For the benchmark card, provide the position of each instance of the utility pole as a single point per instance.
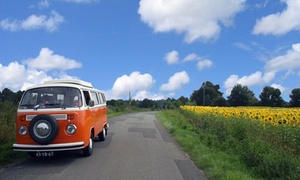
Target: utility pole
(129, 100)
(203, 86)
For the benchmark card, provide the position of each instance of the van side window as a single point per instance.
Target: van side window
(94, 98)
(103, 97)
(86, 97)
(100, 98)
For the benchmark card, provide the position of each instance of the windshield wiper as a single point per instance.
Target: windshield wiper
(26, 106)
(36, 107)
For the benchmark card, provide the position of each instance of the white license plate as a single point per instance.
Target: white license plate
(44, 154)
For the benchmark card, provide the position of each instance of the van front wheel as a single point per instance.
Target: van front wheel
(88, 150)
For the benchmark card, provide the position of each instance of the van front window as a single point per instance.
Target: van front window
(51, 97)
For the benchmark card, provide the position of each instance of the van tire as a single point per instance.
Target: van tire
(88, 150)
(53, 125)
(102, 135)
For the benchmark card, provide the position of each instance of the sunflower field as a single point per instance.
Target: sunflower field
(269, 115)
(266, 139)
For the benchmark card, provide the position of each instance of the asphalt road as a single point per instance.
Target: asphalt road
(137, 147)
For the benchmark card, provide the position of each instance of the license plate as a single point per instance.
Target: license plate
(44, 154)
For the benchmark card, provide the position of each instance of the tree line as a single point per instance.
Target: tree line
(208, 94)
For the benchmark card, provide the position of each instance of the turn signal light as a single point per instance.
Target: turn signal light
(23, 118)
(70, 116)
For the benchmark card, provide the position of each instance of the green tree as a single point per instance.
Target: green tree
(241, 96)
(207, 95)
(146, 103)
(182, 101)
(295, 97)
(271, 96)
(170, 103)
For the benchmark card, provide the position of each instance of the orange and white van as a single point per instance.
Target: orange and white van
(60, 115)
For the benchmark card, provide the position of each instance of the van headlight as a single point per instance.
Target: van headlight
(23, 130)
(71, 129)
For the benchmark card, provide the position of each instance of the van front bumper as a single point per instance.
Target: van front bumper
(49, 147)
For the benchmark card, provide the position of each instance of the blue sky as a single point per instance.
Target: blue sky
(154, 49)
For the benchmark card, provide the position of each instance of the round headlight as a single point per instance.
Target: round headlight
(71, 129)
(23, 130)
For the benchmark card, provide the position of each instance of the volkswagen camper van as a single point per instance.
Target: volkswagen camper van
(60, 115)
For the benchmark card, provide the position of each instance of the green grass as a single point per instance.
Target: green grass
(232, 149)
(8, 156)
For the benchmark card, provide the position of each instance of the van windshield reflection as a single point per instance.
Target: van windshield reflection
(51, 97)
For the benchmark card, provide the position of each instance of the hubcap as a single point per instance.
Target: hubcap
(42, 129)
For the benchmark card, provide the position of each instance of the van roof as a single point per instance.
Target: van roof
(70, 81)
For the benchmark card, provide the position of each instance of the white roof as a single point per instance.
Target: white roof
(70, 81)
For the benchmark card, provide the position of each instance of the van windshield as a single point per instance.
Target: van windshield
(51, 97)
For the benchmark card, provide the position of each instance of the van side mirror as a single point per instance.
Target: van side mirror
(91, 103)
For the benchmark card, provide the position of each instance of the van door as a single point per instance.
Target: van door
(97, 113)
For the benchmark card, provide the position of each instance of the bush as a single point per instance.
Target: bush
(8, 111)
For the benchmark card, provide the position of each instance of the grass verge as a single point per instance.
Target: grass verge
(216, 163)
(8, 156)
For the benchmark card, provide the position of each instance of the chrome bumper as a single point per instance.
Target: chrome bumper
(49, 147)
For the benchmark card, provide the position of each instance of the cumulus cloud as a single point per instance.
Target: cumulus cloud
(47, 60)
(141, 95)
(253, 79)
(192, 57)
(288, 62)
(205, 63)
(175, 82)
(34, 22)
(282, 22)
(197, 19)
(279, 86)
(16, 76)
(133, 83)
(172, 57)
(12, 75)
(201, 62)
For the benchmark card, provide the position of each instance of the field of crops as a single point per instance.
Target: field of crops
(275, 116)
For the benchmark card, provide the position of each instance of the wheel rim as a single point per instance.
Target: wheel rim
(104, 132)
(91, 143)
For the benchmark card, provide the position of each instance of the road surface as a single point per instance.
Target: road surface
(137, 147)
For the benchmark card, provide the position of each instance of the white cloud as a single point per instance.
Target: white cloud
(279, 86)
(192, 57)
(81, 1)
(289, 61)
(254, 79)
(176, 81)
(242, 46)
(172, 57)
(34, 22)
(206, 63)
(12, 76)
(141, 95)
(47, 60)
(132, 83)
(201, 62)
(197, 19)
(16, 76)
(44, 4)
(281, 22)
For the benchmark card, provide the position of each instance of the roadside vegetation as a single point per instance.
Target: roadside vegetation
(234, 147)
